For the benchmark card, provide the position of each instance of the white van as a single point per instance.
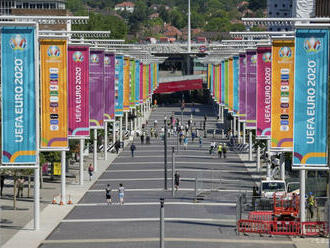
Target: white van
(267, 188)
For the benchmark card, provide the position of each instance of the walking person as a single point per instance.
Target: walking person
(311, 205)
(108, 194)
(2, 183)
(176, 180)
(121, 191)
(117, 146)
(20, 187)
(224, 150)
(133, 148)
(185, 142)
(200, 142)
(219, 151)
(180, 137)
(90, 171)
(142, 137)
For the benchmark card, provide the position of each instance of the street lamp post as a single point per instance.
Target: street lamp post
(165, 153)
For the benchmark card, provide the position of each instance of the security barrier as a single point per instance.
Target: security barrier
(319, 228)
(261, 215)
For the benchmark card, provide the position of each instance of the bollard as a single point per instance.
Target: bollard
(54, 200)
(162, 224)
(173, 170)
(70, 201)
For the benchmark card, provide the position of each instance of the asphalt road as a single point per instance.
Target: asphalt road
(208, 223)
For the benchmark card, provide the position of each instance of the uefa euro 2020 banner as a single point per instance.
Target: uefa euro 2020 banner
(54, 98)
(137, 82)
(119, 84)
(230, 84)
(78, 90)
(282, 95)
(311, 98)
(222, 82)
(251, 89)
(18, 95)
(96, 88)
(235, 81)
(109, 86)
(242, 87)
(264, 91)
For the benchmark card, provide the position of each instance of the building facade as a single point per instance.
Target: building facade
(279, 9)
(7, 7)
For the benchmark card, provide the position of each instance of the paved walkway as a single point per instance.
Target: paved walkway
(208, 223)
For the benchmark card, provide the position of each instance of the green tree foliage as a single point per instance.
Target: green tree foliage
(177, 19)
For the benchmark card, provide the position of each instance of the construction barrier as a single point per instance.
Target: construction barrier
(292, 228)
(261, 215)
(319, 228)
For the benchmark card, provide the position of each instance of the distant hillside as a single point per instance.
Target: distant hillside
(154, 18)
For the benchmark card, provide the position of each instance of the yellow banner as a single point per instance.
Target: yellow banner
(54, 109)
(231, 84)
(282, 95)
(56, 168)
(126, 84)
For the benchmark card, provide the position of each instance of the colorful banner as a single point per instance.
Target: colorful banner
(230, 84)
(222, 82)
(251, 89)
(141, 82)
(212, 80)
(57, 168)
(216, 83)
(219, 83)
(54, 99)
(132, 84)
(109, 86)
(119, 84)
(137, 82)
(242, 87)
(18, 95)
(282, 95)
(209, 70)
(226, 82)
(264, 92)
(310, 136)
(236, 84)
(96, 88)
(126, 84)
(78, 90)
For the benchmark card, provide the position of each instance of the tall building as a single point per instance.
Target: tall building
(279, 9)
(322, 8)
(7, 7)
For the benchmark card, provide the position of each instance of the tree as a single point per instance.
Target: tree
(163, 13)
(197, 20)
(177, 19)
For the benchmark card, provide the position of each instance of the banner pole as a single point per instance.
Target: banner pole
(114, 131)
(250, 145)
(302, 175)
(282, 164)
(105, 140)
(95, 150)
(244, 134)
(81, 162)
(63, 178)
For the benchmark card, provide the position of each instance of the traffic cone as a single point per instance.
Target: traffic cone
(54, 200)
(69, 202)
(61, 202)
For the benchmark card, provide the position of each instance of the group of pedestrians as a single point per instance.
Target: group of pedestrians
(221, 149)
(121, 193)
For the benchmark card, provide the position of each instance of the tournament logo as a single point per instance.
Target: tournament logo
(107, 60)
(78, 57)
(285, 52)
(18, 42)
(312, 45)
(254, 59)
(95, 58)
(267, 57)
(53, 51)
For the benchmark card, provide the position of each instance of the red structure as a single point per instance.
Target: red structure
(175, 86)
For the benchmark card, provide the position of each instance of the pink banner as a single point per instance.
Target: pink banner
(264, 91)
(78, 90)
(141, 83)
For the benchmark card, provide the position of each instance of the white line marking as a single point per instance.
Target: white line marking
(227, 204)
(181, 170)
(182, 162)
(169, 178)
(169, 239)
(181, 189)
(147, 219)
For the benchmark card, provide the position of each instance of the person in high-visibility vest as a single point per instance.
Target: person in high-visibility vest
(219, 151)
(311, 204)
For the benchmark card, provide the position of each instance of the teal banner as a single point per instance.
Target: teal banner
(137, 82)
(119, 85)
(311, 98)
(18, 119)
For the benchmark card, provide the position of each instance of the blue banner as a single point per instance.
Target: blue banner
(222, 82)
(235, 81)
(18, 95)
(119, 85)
(212, 78)
(137, 82)
(151, 69)
(311, 98)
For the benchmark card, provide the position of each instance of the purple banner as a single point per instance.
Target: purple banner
(96, 88)
(109, 86)
(251, 87)
(242, 87)
(78, 90)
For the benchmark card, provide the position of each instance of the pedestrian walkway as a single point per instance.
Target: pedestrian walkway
(208, 221)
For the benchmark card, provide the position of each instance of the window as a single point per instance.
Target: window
(270, 13)
(285, 14)
(52, 6)
(283, 5)
(39, 6)
(18, 6)
(277, 13)
(25, 5)
(46, 5)
(278, 29)
(32, 6)
(275, 5)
